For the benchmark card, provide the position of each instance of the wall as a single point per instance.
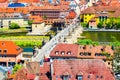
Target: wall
(18, 21)
(87, 17)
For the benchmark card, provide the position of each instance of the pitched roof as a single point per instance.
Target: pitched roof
(81, 51)
(89, 10)
(10, 47)
(45, 71)
(65, 50)
(85, 67)
(71, 15)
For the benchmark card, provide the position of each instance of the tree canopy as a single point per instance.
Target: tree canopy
(14, 26)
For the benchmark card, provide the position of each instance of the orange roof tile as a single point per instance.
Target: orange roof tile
(71, 15)
(6, 45)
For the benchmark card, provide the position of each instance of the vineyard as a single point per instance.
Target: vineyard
(26, 41)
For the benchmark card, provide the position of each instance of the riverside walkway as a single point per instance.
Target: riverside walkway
(67, 35)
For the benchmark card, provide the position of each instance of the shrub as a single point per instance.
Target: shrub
(14, 26)
(30, 22)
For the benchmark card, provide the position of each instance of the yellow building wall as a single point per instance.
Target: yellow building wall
(87, 17)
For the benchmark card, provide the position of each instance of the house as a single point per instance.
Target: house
(10, 53)
(92, 24)
(104, 53)
(74, 51)
(65, 51)
(100, 14)
(32, 70)
(7, 18)
(84, 69)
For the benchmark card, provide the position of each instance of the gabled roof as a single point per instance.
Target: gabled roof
(10, 47)
(65, 50)
(86, 67)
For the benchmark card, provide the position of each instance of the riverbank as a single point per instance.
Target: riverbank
(102, 36)
(104, 30)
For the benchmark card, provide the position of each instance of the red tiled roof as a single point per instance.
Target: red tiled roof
(69, 50)
(11, 47)
(71, 15)
(45, 69)
(74, 50)
(30, 76)
(85, 67)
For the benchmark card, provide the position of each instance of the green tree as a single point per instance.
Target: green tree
(100, 24)
(84, 24)
(118, 25)
(16, 68)
(108, 25)
(44, 17)
(14, 26)
(85, 42)
(116, 61)
(30, 22)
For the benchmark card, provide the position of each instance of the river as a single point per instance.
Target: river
(102, 36)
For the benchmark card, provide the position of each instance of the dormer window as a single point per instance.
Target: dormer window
(80, 47)
(0, 50)
(56, 52)
(63, 52)
(81, 53)
(69, 52)
(66, 77)
(80, 77)
(90, 47)
(5, 51)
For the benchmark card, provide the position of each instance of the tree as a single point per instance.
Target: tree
(30, 22)
(108, 25)
(85, 42)
(44, 17)
(100, 24)
(84, 24)
(118, 25)
(116, 61)
(16, 68)
(14, 26)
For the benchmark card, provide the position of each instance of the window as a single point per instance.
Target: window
(0, 50)
(81, 53)
(89, 54)
(80, 47)
(56, 52)
(69, 52)
(97, 77)
(88, 76)
(5, 51)
(80, 77)
(63, 52)
(108, 63)
(101, 76)
(66, 77)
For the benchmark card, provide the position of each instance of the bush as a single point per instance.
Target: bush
(84, 24)
(100, 25)
(14, 26)
(30, 22)
(87, 42)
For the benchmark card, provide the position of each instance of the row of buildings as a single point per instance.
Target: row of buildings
(101, 12)
(66, 62)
